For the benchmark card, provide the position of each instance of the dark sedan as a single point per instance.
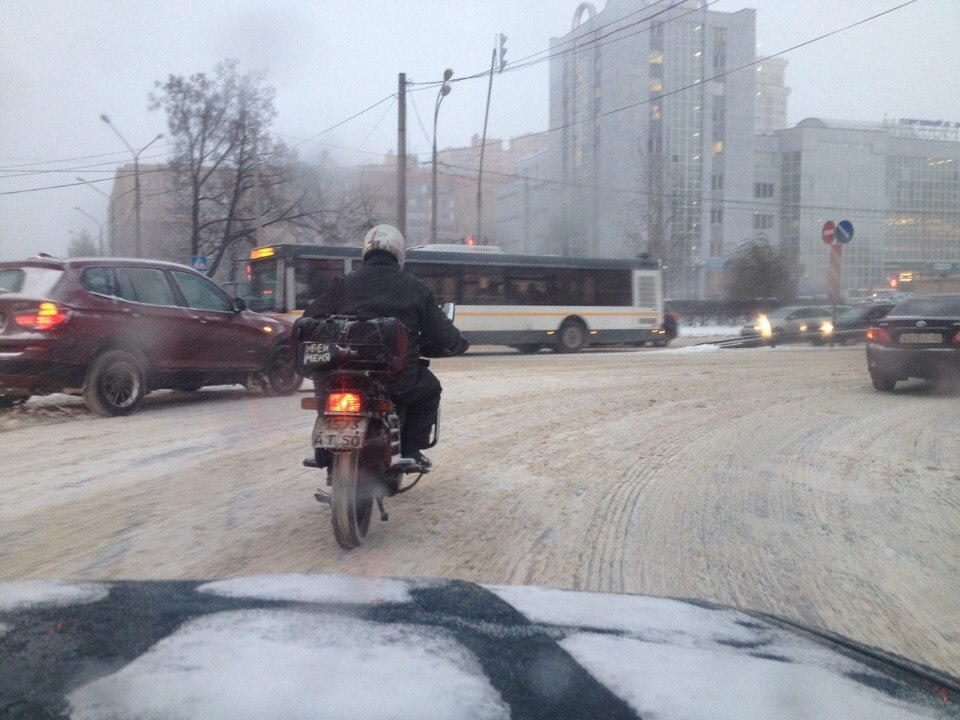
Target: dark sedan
(852, 324)
(918, 339)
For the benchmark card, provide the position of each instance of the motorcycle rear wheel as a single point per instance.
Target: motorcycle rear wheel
(351, 501)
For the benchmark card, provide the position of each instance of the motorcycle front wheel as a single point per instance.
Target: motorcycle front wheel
(351, 500)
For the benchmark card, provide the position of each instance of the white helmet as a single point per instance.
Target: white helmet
(387, 238)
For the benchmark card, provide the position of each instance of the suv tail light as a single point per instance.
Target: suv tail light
(956, 337)
(879, 335)
(46, 317)
(344, 402)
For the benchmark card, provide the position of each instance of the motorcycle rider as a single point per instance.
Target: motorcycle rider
(380, 288)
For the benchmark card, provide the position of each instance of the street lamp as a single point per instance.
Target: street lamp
(445, 89)
(102, 225)
(110, 207)
(136, 173)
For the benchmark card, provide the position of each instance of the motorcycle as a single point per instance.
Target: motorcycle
(356, 436)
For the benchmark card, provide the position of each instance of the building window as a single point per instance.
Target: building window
(716, 216)
(716, 182)
(656, 58)
(656, 86)
(718, 147)
(762, 222)
(763, 190)
(764, 159)
(655, 113)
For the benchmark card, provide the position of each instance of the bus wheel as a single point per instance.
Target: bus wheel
(529, 348)
(572, 337)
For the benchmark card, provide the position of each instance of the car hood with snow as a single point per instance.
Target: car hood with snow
(341, 646)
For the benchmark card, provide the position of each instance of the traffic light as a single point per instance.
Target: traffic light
(502, 45)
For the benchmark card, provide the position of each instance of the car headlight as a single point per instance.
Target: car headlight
(763, 325)
(826, 327)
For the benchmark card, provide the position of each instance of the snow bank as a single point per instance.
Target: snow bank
(22, 594)
(288, 664)
(313, 588)
(709, 330)
(666, 681)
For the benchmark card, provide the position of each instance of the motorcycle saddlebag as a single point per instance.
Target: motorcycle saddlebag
(338, 343)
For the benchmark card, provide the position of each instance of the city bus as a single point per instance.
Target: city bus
(526, 302)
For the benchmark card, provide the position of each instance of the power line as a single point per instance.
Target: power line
(580, 44)
(373, 130)
(73, 159)
(391, 96)
(755, 205)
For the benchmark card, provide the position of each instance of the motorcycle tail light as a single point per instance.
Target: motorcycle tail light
(879, 335)
(344, 402)
(47, 316)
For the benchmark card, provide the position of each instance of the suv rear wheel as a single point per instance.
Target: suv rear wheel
(115, 384)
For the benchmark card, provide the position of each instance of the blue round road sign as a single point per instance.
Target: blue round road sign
(844, 232)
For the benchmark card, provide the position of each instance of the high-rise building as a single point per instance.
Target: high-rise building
(645, 147)
(772, 94)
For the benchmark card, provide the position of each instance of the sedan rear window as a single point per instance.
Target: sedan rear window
(33, 281)
(945, 306)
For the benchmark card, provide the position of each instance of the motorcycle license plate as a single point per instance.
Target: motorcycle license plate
(339, 432)
(317, 353)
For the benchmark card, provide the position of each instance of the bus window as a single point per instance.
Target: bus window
(441, 279)
(570, 288)
(483, 285)
(312, 276)
(530, 286)
(261, 291)
(614, 288)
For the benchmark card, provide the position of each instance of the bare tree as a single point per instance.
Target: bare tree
(649, 216)
(220, 126)
(82, 245)
(759, 270)
(357, 212)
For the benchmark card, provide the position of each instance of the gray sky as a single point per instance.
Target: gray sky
(63, 62)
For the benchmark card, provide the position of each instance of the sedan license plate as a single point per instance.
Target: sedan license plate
(339, 432)
(921, 338)
(317, 353)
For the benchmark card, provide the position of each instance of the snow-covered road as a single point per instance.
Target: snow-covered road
(775, 480)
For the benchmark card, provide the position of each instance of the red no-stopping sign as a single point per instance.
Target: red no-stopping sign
(829, 232)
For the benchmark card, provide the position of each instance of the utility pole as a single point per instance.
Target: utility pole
(441, 94)
(402, 155)
(136, 173)
(110, 208)
(257, 194)
(483, 150)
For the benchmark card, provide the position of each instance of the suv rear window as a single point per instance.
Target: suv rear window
(34, 281)
(945, 306)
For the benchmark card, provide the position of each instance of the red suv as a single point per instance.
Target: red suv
(113, 330)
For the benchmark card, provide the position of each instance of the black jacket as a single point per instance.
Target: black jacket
(382, 289)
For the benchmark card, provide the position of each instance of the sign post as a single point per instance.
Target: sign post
(835, 235)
